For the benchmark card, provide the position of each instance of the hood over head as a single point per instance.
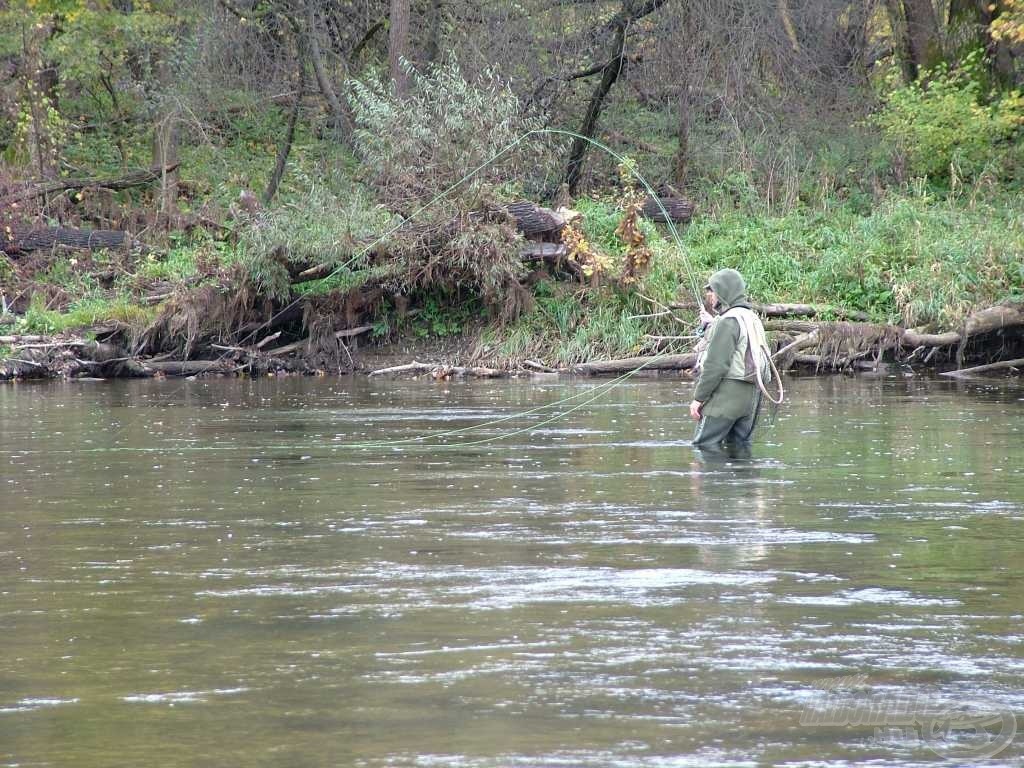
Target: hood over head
(729, 286)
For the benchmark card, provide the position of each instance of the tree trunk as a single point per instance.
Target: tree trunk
(923, 33)
(631, 11)
(609, 74)
(398, 45)
(900, 42)
(854, 30)
(683, 133)
(286, 144)
(970, 28)
(436, 22)
(339, 117)
(166, 138)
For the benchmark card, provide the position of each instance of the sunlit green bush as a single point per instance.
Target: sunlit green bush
(945, 125)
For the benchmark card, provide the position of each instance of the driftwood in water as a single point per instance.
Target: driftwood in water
(820, 362)
(439, 371)
(69, 358)
(627, 364)
(842, 343)
(189, 367)
(1001, 366)
(25, 240)
(533, 365)
(475, 371)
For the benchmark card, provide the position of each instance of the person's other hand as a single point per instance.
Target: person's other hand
(695, 410)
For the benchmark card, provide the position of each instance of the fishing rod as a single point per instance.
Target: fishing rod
(597, 392)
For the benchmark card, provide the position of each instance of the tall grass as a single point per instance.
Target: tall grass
(914, 259)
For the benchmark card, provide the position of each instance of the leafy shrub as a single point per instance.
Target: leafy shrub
(945, 121)
(319, 226)
(421, 144)
(440, 155)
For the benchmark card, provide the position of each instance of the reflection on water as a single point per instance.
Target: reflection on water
(207, 573)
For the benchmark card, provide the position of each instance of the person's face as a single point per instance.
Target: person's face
(710, 297)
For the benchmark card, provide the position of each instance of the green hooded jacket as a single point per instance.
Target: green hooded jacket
(724, 397)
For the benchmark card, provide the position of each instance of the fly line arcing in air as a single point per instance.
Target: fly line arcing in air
(585, 397)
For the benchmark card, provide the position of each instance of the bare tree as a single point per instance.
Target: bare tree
(398, 45)
(630, 12)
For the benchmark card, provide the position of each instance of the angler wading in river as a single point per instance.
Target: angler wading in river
(734, 364)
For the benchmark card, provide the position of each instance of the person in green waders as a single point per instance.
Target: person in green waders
(727, 400)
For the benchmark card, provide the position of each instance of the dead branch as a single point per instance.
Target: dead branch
(413, 367)
(134, 179)
(1004, 365)
(347, 333)
(625, 365)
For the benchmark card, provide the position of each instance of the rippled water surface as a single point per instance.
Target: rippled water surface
(207, 573)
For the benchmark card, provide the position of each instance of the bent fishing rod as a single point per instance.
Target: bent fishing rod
(589, 396)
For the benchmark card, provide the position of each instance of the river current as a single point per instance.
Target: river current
(210, 573)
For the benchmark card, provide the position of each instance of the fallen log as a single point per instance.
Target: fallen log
(189, 367)
(913, 338)
(782, 311)
(313, 273)
(791, 326)
(413, 367)
(439, 371)
(823, 362)
(70, 357)
(534, 220)
(808, 310)
(679, 209)
(1005, 315)
(1004, 365)
(543, 251)
(996, 319)
(802, 341)
(478, 372)
(555, 254)
(627, 364)
(533, 365)
(134, 179)
(24, 241)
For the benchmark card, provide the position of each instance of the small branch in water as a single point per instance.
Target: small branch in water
(413, 367)
(625, 365)
(1004, 365)
(533, 365)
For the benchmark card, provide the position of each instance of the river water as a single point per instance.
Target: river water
(208, 573)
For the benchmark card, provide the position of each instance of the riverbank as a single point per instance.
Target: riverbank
(799, 343)
(910, 279)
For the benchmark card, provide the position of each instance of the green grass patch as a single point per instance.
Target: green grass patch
(82, 314)
(914, 259)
